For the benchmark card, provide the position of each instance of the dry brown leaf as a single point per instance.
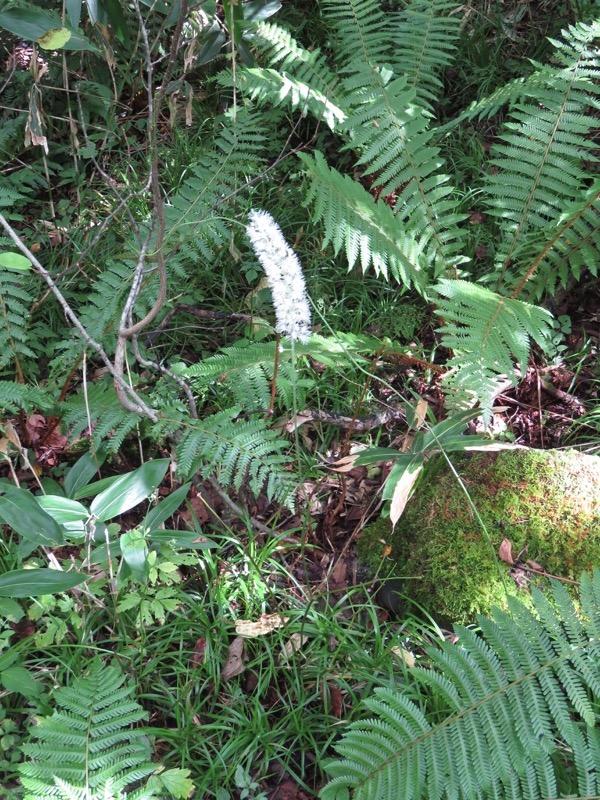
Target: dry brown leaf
(298, 419)
(336, 701)
(199, 651)
(505, 552)
(293, 645)
(534, 565)
(402, 493)
(404, 655)
(235, 659)
(345, 464)
(266, 624)
(12, 435)
(420, 413)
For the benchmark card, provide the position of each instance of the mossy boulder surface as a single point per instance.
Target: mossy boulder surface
(547, 501)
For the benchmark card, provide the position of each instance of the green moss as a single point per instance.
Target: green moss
(545, 501)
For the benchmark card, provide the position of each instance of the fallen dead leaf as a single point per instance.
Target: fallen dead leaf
(297, 420)
(402, 492)
(266, 624)
(505, 552)
(235, 659)
(534, 565)
(293, 645)
(419, 413)
(199, 650)
(404, 655)
(336, 701)
(345, 464)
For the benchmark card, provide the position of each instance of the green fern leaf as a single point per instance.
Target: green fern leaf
(539, 162)
(101, 755)
(486, 332)
(361, 34)
(365, 230)
(424, 37)
(195, 213)
(295, 75)
(237, 450)
(15, 396)
(15, 304)
(392, 136)
(100, 406)
(503, 713)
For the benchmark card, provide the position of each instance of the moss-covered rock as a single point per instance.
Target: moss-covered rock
(545, 501)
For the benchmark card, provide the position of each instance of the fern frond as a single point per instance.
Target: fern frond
(9, 197)
(246, 372)
(277, 87)
(195, 213)
(361, 34)
(424, 37)
(92, 730)
(486, 332)
(543, 145)
(566, 250)
(367, 231)
(111, 423)
(11, 132)
(16, 396)
(15, 304)
(296, 75)
(237, 450)
(514, 700)
(392, 136)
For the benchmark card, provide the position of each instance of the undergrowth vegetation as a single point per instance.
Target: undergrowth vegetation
(250, 252)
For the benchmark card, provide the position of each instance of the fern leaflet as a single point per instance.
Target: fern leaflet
(518, 704)
(91, 729)
(296, 75)
(543, 145)
(15, 302)
(365, 230)
(194, 216)
(424, 36)
(394, 141)
(486, 332)
(237, 450)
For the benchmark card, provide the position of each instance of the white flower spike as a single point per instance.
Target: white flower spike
(284, 275)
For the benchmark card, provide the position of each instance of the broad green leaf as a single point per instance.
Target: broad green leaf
(116, 18)
(187, 539)
(20, 509)
(213, 43)
(129, 490)
(63, 509)
(73, 8)
(15, 262)
(29, 23)
(95, 488)
(79, 42)
(372, 455)
(10, 610)
(167, 507)
(36, 582)
(83, 471)
(257, 10)
(8, 658)
(50, 486)
(54, 39)
(95, 11)
(172, 782)
(134, 549)
(19, 679)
